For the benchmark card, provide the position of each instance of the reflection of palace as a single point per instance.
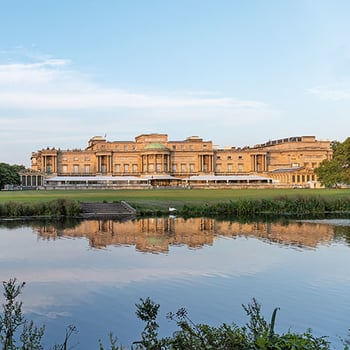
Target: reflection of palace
(157, 234)
(154, 160)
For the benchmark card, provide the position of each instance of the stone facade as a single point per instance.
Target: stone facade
(290, 161)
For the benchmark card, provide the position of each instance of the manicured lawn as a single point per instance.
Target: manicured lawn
(163, 198)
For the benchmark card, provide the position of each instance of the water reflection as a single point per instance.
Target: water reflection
(156, 235)
(91, 273)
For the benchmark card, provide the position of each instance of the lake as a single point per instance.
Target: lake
(91, 273)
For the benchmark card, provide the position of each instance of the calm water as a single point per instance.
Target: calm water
(91, 274)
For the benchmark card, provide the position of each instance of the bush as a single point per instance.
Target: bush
(55, 208)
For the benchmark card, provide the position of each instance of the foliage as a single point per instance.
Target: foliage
(337, 170)
(257, 334)
(56, 208)
(9, 174)
(16, 333)
(147, 311)
(247, 208)
(13, 327)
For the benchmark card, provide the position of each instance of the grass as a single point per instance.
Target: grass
(164, 198)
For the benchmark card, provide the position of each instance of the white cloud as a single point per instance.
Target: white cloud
(49, 84)
(328, 93)
(31, 73)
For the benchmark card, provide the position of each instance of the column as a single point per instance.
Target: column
(264, 161)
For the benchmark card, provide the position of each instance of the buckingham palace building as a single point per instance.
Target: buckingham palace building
(151, 160)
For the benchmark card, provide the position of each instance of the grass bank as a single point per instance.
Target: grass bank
(165, 198)
(244, 203)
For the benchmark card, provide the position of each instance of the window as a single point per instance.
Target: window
(87, 168)
(174, 168)
(174, 147)
(134, 168)
(229, 168)
(75, 159)
(125, 147)
(117, 168)
(126, 168)
(87, 158)
(191, 168)
(240, 168)
(65, 169)
(240, 157)
(76, 168)
(218, 167)
(183, 168)
(229, 157)
(159, 168)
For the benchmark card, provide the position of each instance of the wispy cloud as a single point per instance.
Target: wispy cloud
(32, 74)
(329, 93)
(50, 84)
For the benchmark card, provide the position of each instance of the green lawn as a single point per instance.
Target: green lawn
(163, 198)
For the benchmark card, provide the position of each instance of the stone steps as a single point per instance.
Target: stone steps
(95, 209)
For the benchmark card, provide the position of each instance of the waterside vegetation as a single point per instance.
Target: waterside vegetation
(17, 333)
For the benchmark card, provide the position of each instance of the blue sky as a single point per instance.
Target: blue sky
(234, 72)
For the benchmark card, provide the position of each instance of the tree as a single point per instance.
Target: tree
(337, 170)
(9, 174)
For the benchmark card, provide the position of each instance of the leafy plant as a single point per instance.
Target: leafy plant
(13, 327)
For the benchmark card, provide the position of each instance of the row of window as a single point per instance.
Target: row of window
(133, 147)
(303, 178)
(86, 158)
(126, 168)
